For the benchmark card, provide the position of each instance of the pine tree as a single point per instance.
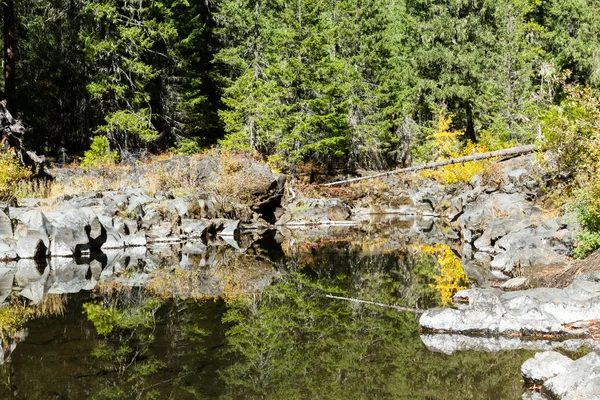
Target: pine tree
(453, 57)
(126, 43)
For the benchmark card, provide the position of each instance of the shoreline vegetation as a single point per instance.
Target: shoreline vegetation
(466, 132)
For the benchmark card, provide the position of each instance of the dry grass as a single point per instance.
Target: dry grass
(51, 305)
(156, 173)
(562, 275)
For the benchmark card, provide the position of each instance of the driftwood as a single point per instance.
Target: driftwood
(11, 139)
(398, 308)
(481, 156)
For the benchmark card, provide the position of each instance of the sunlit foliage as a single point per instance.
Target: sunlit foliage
(450, 276)
(11, 173)
(572, 131)
(446, 143)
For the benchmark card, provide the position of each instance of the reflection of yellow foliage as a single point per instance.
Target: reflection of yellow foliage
(451, 276)
(14, 315)
(13, 318)
(447, 143)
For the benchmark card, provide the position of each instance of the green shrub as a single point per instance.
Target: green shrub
(571, 132)
(99, 154)
(186, 147)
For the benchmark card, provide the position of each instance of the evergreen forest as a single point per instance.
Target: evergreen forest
(339, 83)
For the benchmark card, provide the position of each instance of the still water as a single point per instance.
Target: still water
(249, 323)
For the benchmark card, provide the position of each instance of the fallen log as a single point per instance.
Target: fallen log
(480, 156)
(398, 308)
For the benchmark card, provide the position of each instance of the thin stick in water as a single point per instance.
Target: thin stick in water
(408, 309)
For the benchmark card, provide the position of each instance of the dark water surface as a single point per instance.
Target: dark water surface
(283, 339)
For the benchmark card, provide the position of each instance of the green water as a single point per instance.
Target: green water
(284, 341)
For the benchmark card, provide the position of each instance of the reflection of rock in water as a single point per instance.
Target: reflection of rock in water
(448, 344)
(386, 233)
(193, 270)
(209, 266)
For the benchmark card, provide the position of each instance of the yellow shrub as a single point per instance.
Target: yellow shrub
(451, 276)
(11, 172)
(448, 146)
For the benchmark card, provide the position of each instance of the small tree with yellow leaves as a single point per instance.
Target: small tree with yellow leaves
(447, 145)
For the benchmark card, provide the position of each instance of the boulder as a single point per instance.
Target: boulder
(194, 228)
(68, 232)
(6, 230)
(315, 211)
(527, 312)
(544, 366)
(7, 251)
(232, 228)
(570, 380)
(32, 235)
(112, 239)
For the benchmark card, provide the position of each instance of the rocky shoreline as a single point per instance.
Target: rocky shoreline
(496, 224)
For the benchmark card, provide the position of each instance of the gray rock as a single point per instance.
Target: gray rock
(527, 312)
(6, 230)
(486, 207)
(194, 228)
(232, 228)
(456, 208)
(162, 232)
(514, 283)
(68, 232)
(136, 203)
(581, 380)
(32, 235)
(315, 211)
(7, 277)
(544, 366)
(7, 251)
(112, 239)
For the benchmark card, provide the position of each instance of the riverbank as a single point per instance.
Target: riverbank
(499, 224)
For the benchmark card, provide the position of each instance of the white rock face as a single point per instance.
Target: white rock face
(527, 312)
(544, 366)
(563, 378)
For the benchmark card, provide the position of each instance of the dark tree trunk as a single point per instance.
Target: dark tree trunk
(10, 44)
(470, 131)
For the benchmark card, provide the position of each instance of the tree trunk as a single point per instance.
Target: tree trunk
(10, 44)
(513, 151)
(470, 131)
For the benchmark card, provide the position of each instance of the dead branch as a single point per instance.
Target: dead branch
(398, 308)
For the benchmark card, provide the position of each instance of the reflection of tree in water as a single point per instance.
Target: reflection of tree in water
(294, 343)
(286, 341)
(17, 311)
(125, 321)
(135, 364)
